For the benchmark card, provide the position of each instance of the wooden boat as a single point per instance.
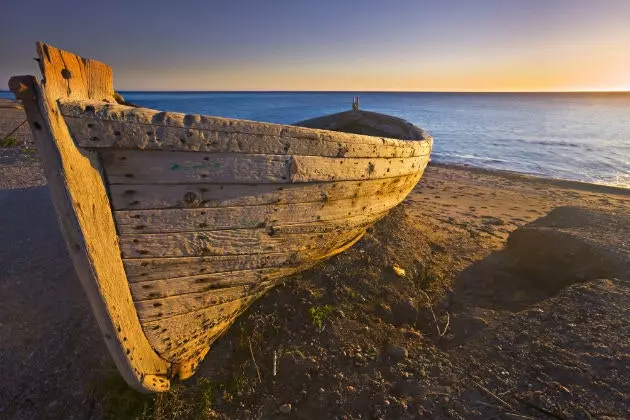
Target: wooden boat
(176, 223)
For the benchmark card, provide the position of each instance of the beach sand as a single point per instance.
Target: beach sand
(514, 303)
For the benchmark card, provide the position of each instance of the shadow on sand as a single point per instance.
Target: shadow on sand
(46, 326)
(567, 246)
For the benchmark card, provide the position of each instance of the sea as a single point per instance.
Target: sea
(572, 136)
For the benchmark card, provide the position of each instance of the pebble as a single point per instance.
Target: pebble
(405, 312)
(397, 352)
(285, 408)
(400, 272)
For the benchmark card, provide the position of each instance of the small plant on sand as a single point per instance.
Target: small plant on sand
(9, 142)
(319, 315)
(120, 401)
(207, 390)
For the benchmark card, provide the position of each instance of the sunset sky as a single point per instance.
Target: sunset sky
(361, 45)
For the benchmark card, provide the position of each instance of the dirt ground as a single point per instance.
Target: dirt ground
(514, 304)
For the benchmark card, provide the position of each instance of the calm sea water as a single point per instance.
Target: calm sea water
(575, 136)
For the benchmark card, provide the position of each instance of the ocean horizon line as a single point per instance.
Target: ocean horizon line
(605, 92)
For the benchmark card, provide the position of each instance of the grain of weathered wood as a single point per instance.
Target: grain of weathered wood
(98, 133)
(189, 269)
(269, 216)
(85, 218)
(147, 196)
(134, 166)
(187, 368)
(147, 269)
(160, 167)
(166, 286)
(181, 338)
(143, 269)
(161, 308)
(142, 116)
(227, 242)
(67, 75)
(316, 168)
(175, 337)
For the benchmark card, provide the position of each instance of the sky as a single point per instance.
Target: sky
(361, 45)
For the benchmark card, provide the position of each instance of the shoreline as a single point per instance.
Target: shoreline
(525, 177)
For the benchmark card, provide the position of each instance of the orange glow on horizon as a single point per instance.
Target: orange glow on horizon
(555, 70)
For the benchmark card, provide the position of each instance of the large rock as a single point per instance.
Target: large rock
(396, 352)
(572, 244)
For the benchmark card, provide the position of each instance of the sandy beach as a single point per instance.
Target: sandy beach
(514, 304)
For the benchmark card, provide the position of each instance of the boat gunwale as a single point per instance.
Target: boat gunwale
(297, 133)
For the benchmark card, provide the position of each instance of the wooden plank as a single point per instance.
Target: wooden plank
(162, 308)
(177, 275)
(177, 337)
(227, 242)
(143, 269)
(158, 167)
(134, 166)
(316, 168)
(96, 133)
(183, 338)
(142, 116)
(248, 217)
(369, 123)
(166, 287)
(187, 367)
(67, 75)
(84, 215)
(148, 196)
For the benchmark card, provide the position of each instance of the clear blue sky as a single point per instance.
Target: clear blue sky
(470, 45)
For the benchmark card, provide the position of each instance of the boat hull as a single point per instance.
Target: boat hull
(177, 222)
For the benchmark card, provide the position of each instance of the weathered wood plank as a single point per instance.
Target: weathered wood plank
(227, 242)
(179, 274)
(133, 166)
(68, 76)
(158, 167)
(144, 269)
(166, 287)
(84, 215)
(177, 337)
(269, 216)
(184, 338)
(161, 308)
(98, 133)
(316, 168)
(95, 110)
(148, 196)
